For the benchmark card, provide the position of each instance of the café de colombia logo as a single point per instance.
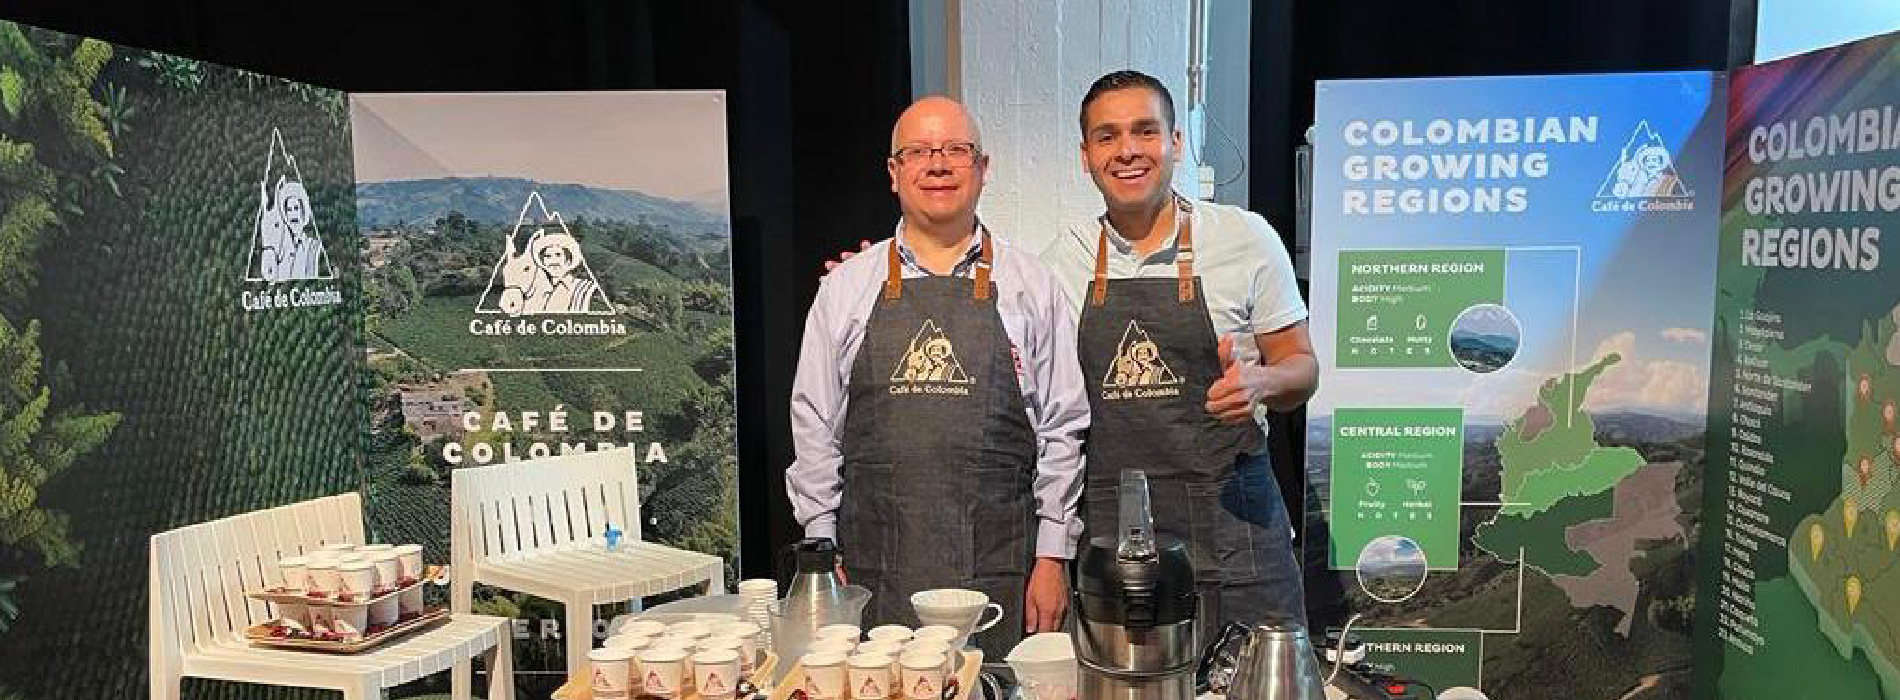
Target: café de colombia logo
(1644, 177)
(542, 282)
(286, 245)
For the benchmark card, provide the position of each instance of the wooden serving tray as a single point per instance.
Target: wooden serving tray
(429, 573)
(970, 665)
(579, 689)
(261, 635)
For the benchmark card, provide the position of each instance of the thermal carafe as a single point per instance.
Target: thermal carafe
(1135, 606)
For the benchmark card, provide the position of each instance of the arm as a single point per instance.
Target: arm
(1062, 420)
(812, 482)
(1284, 373)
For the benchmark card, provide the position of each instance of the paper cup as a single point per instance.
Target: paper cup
(351, 620)
(733, 644)
(748, 634)
(320, 579)
(716, 673)
(939, 633)
(355, 580)
(923, 675)
(645, 628)
(884, 648)
(385, 612)
(409, 604)
(897, 633)
(841, 647)
(409, 558)
(689, 630)
(825, 676)
(662, 672)
(373, 548)
(291, 571)
(388, 571)
(630, 642)
(870, 676)
(840, 631)
(294, 611)
(338, 547)
(612, 674)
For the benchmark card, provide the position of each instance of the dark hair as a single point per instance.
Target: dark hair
(1123, 80)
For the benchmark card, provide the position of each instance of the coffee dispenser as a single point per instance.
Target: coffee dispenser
(1135, 606)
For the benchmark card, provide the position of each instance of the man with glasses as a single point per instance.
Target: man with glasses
(938, 409)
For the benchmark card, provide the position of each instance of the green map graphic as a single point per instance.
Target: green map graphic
(1575, 509)
(1844, 558)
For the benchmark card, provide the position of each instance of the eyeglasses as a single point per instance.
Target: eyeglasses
(956, 154)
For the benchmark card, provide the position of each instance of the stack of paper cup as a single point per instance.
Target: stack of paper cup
(756, 596)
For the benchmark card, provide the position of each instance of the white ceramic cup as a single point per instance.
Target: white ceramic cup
(923, 675)
(841, 647)
(663, 671)
(840, 631)
(291, 569)
(870, 676)
(355, 579)
(613, 673)
(645, 628)
(958, 608)
(896, 633)
(320, 578)
(824, 676)
(716, 673)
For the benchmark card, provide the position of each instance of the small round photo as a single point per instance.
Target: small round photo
(1484, 338)
(1391, 568)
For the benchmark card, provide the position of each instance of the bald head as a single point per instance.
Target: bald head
(935, 119)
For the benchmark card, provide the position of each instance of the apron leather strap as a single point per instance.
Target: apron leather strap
(894, 279)
(983, 262)
(1183, 258)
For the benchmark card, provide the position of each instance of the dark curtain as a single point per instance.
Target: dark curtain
(813, 89)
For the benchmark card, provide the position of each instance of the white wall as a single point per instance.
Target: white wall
(1022, 68)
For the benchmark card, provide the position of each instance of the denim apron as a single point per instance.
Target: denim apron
(939, 453)
(1149, 354)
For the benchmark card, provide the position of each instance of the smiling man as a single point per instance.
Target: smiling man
(938, 409)
(1203, 297)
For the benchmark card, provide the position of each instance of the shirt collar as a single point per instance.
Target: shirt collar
(1164, 253)
(961, 269)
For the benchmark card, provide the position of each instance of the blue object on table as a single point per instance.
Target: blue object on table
(612, 534)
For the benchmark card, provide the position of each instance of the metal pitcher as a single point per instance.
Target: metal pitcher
(1276, 663)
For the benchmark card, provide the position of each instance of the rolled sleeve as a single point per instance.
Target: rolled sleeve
(813, 482)
(1274, 291)
(1062, 419)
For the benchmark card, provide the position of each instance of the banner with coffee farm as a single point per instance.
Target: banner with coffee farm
(545, 274)
(180, 339)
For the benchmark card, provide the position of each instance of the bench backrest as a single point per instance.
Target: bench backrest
(519, 507)
(199, 573)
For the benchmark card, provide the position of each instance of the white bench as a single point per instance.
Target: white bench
(535, 527)
(199, 574)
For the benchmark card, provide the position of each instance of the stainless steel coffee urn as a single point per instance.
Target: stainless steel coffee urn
(1135, 606)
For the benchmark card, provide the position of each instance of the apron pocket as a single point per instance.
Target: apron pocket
(867, 516)
(997, 527)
